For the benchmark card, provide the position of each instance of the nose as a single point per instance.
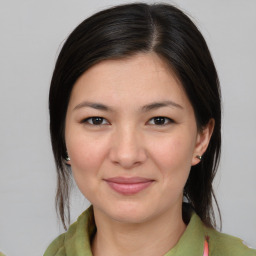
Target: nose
(128, 149)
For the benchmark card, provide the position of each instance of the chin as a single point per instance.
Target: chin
(130, 217)
(129, 212)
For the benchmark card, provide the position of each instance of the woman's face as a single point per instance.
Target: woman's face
(131, 136)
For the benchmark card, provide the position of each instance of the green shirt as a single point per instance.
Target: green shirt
(76, 241)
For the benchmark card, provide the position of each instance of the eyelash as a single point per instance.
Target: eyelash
(91, 120)
(161, 118)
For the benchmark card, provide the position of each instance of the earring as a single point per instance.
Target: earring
(199, 157)
(67, 158)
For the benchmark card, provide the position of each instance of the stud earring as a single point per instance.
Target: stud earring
(199, 157)
(67, 158)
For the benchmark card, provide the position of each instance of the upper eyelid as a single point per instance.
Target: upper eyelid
(168, 118)
(88, 118)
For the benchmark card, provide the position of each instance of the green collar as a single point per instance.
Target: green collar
(78, 239)
(192, 241)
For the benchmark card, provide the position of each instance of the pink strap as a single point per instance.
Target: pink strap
(206, 248)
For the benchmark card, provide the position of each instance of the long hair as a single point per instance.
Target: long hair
(124, 31)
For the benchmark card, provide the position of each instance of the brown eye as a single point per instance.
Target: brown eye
(96, 120)
(160, 120)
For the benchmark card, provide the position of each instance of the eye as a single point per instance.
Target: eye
(160, 120)
(95, 120)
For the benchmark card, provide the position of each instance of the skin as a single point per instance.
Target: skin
(130, 143)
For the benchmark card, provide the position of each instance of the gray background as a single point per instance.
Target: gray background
(31, 35)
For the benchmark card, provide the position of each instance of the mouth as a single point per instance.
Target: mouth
(128, 186)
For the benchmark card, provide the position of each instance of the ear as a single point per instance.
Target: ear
(202, 141)
(68, 162)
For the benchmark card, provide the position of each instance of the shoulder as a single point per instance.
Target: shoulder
(77, 234)
(56, 248)
(226, 245)
(58, 245)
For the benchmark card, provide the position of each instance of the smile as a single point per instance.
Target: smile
(128, 186)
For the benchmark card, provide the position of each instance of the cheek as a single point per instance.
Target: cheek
(173, 150)
(87, 154)
(173, 157)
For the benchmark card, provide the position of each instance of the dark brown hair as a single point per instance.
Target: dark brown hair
(124, 31)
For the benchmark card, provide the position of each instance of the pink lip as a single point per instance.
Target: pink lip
(128, 186)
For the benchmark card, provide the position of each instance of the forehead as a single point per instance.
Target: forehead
(133, 80)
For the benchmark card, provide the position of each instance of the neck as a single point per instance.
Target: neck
(154, 237)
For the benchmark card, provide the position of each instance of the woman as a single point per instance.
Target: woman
(135, 116)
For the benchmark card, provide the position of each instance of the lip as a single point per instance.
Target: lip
(128, 185)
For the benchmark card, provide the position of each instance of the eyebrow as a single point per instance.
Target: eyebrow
(146, 108)
(94, 105)
(156, 105)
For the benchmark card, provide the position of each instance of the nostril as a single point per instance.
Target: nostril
(127, 159)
